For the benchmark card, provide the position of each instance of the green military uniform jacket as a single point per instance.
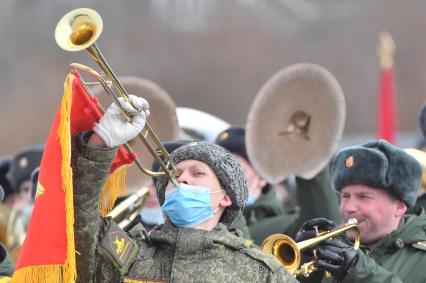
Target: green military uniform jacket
(399, 257)
(316, 198)
(240, 227)
(6, 265)
(421, 201)
(165, 254)
(267, 205)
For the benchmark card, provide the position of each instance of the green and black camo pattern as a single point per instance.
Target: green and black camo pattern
(170, 253)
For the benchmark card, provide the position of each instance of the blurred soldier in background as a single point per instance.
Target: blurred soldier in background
(377, 182)
(21, 167)
(264, 213)
(262, 201)
(194, 244)
(421, 200)
(5, 176)
(17, 207)
(6, 265)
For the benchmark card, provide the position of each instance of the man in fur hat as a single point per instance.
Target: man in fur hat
(377, 182)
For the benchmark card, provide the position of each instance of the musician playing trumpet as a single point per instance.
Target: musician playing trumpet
(378, 184)
(194, 244)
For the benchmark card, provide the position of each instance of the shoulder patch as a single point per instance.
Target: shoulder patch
(267, 259)
(420, 245)
(119, 246)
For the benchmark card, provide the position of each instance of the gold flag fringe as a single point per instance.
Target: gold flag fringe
(40, 274)
(114, 187)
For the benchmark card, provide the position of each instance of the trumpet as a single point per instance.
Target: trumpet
(288, 252)
(127, 210)
(78, 30)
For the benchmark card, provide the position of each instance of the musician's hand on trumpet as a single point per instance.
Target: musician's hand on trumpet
(312, 227)
(333, 255)
(114, 129)
(337, 257)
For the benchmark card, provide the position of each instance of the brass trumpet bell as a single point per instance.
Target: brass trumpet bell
(78, 29)
(289, 253)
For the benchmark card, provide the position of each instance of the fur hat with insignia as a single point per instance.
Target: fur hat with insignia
(23, 164)
(378, 164)
(226, 167)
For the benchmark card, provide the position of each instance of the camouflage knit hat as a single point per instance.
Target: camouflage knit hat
(226, 167)
(378, 164)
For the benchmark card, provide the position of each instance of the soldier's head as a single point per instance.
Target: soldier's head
(5, 176)
(21, 168)
(377, 182)
(212, 187)
(233, 139)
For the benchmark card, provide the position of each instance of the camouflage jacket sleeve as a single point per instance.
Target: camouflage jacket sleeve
(316, 198)
(90, 170)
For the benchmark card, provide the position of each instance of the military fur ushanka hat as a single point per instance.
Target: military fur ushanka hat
(226, 167)
(378, 164)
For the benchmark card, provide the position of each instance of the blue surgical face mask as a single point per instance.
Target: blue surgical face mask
(251, 199)
(152, 215)
(188, 206)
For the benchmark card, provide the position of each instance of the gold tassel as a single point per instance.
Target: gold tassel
(64, 133)
(51, 273)
(114, 187)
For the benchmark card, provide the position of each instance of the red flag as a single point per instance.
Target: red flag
(48, 254)
(387, 103)
(386, 100)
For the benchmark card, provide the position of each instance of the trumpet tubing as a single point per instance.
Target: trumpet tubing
(78, 30)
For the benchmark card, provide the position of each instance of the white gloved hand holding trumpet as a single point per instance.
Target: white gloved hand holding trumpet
(114, 129)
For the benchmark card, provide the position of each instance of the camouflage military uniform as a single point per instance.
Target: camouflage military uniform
(240, 224)
(267, 205)
(316, 198)
(167, 253)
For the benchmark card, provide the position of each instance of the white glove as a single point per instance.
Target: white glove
(113, 127)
